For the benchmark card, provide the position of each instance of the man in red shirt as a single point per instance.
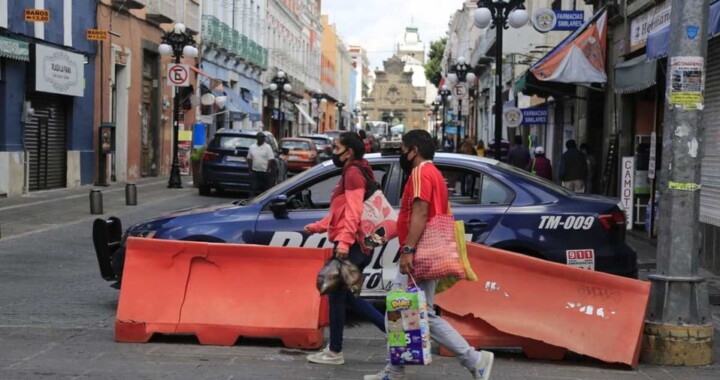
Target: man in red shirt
(425, 196)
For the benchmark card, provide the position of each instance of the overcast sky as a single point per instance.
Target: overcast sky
(377, 25)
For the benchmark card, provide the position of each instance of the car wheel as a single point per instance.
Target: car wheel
(204, 190)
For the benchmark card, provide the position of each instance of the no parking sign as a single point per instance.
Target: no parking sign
(178, 75)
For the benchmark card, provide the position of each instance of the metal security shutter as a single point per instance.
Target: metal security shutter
(710, 172)
(45, 141)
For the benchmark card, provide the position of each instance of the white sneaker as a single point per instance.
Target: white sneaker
(385, 375)
(484, 365)
(326, 357)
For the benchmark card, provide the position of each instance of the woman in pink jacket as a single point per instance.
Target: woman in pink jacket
(342, 225)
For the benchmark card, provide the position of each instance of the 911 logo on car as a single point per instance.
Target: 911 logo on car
(553, 222)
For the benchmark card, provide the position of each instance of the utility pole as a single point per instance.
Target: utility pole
(678, 329)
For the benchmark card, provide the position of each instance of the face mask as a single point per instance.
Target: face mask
(336, 159)
(405, 163)
(260, 142)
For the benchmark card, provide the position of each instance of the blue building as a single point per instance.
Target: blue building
(46, 95)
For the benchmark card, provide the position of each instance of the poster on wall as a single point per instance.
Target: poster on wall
(59, 71)
(627, 186)
(687, 75)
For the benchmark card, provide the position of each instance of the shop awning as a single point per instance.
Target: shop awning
(580, 58)
(658, 42)
(635, 75)
(246, 108)
(236, 114)
(305, 115)
(14, 49)
(529, 85)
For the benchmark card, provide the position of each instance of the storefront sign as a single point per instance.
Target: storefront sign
(685, 89)
(535, 116)
(627, 180)
(513, 117)
(569, 20)
(96, 34)
(641, 26)
(59, 71)
(37, 15)
(653, 150)
(14, 49)
(544, 20)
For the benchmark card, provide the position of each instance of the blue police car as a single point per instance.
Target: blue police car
(501, 206)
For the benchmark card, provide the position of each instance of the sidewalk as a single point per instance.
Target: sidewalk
(646, 249)
(43, 210)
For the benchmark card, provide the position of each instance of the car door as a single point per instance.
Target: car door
(476, 198)
(308, 202)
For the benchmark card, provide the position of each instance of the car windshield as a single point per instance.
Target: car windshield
(320, 141)
(294, 145)
(232, 142)
(533, 178)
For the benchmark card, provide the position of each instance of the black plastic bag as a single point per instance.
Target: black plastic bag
(338, 274)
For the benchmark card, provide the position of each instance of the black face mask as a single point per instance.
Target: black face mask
(405, 163)
(260, 142)
(336, 159)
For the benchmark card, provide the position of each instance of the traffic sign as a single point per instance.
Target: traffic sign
(96, 34)
(178, 75)
(460, 90)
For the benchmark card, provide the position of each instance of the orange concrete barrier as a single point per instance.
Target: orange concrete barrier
(481, 334)
(221, 292)
(591, 313)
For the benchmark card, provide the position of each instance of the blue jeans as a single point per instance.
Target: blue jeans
(343, 298)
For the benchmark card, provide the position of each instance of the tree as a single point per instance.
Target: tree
(433, 67)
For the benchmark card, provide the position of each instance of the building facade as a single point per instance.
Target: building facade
(47, 86)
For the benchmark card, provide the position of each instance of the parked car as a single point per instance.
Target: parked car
(334, 135)
(325, 145)
(224, 163)
(501, 206)
(299, 153)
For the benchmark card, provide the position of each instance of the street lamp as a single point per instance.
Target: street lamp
(444, 96)
(435, 108)
(461, 72)
(280, 83)
(340, 106)
(177, 43)
(318, 98)
(500, 13)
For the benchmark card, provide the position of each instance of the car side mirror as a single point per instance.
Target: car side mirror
(278, 206)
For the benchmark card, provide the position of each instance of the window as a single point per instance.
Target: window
(316, 194)
(294, 145)
(469, 187)
(232, 142)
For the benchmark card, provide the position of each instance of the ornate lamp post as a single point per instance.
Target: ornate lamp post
(435, 108)
(461, 72)
(500, 13)
(280, 83)
(318, 98)
(340, 106)
(177, 43)
(444, 96)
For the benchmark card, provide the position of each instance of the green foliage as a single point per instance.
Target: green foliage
(433, 67)
(198, 154)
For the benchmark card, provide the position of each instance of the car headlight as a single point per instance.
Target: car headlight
(147, 234)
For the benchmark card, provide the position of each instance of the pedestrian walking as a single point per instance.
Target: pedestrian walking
(519, 156)
(480, 148)
(448, 144)
(342, 224)
(591, 166)
(260, 160)
(573, 168)
(425, 192)
(540, 165)
(366, 141)
(504, 149)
